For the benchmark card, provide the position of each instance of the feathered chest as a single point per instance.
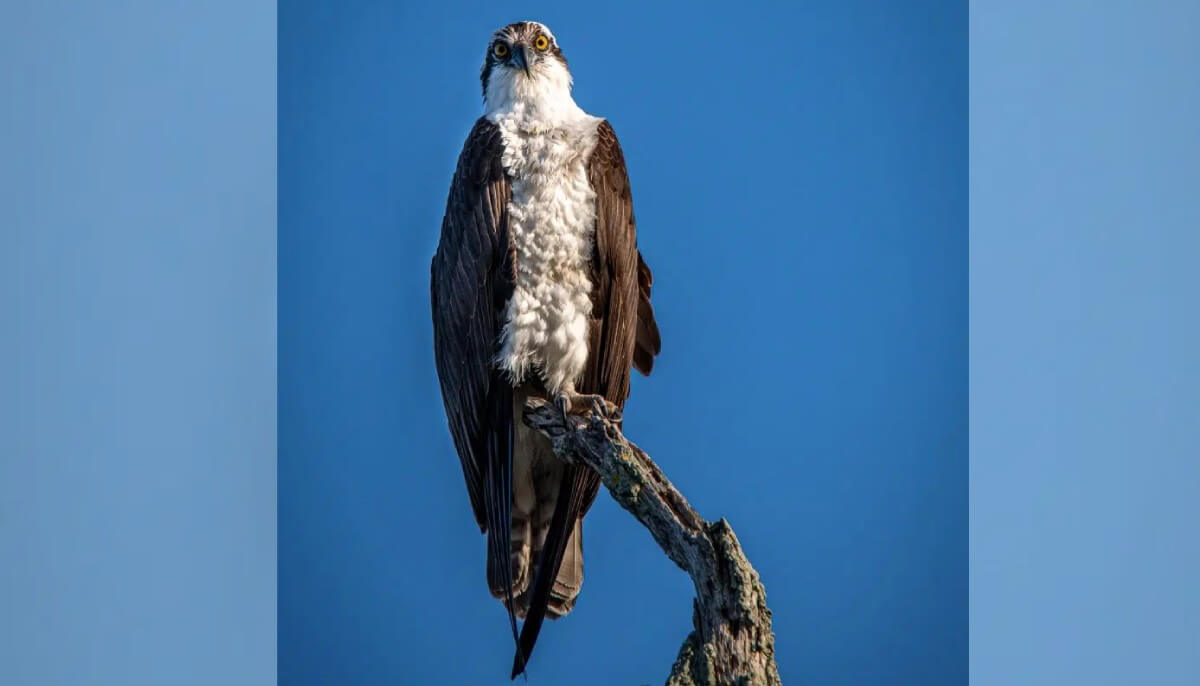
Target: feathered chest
(552, 218)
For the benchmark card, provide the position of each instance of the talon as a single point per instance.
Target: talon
(577, 404)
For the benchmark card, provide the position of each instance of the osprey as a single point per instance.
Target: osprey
(538, 289)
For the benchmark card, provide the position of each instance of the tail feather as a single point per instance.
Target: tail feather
(566, 585)
(519, 563)
(570, 575)
(575, 486)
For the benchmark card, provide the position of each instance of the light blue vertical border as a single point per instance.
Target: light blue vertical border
(1085, 343)
(137, 343)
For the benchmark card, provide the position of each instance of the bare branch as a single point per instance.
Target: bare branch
(732, 643)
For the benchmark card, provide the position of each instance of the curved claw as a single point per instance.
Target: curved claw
(599, 406)
(573, 404)
(563, 403)
(615, 415)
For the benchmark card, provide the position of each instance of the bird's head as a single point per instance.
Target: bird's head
(524, 64)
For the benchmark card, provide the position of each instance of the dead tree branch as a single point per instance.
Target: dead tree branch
(732, 643)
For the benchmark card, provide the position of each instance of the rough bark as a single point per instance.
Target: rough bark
(732, 642)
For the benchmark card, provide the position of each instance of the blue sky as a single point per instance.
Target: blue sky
(138, 232)
(800, 183)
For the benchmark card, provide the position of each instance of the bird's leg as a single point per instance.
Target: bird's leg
(570, 402)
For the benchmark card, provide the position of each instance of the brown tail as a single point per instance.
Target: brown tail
(566, 585)
(570, 575)
(576, 484)
(518, 559)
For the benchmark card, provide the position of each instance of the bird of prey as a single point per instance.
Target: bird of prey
(538, 289)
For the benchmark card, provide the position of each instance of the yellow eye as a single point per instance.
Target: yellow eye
(500, 50)
(541, 43)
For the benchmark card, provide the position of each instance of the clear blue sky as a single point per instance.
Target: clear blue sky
(800, 181)
(1085, 377)
(137, 283)
(137, 343)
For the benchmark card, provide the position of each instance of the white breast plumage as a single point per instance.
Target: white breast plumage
(552, 217)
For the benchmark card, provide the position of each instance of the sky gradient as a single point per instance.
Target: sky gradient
(799, 179)
(137, 354)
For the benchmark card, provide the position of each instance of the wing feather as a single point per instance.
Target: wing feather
(648, 343)
(471, 280)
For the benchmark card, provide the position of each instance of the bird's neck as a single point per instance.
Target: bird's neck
(543, 101)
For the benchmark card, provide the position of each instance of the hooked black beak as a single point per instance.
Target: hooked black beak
(519, 60)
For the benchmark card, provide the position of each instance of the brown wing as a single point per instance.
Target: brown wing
(647, 343)
(472, 278)
(620, 285)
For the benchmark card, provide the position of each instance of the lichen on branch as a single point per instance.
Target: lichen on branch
(732, 642)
